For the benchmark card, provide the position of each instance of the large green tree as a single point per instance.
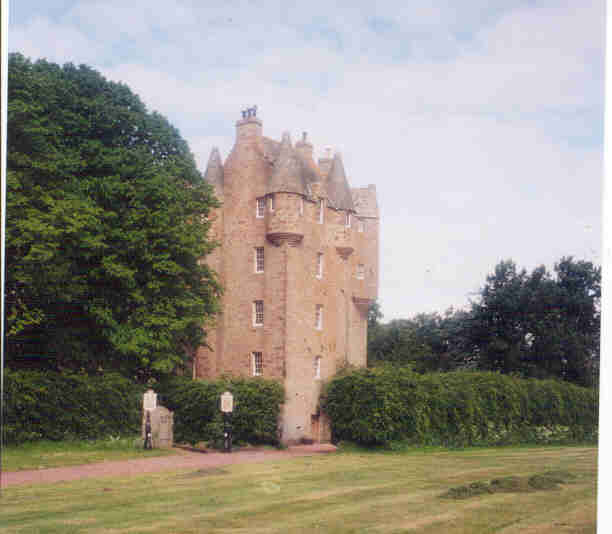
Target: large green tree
(540, 324)
(106, 227)
(536, 324)
(427, 342)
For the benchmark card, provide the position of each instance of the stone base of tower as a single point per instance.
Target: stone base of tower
(299, 425)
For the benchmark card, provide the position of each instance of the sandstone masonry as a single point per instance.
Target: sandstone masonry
(299, 265)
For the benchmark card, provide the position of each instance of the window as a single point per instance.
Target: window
(361, 271)
(261, 207)
(301, 205)
(347, 220)
(319, 317)
(320, 265)
(259, 259)
(321, 209)
(271, 197)
(317, 367)
(257, 362)
(258, 313)
(360, 225)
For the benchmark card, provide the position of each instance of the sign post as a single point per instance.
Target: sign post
(227, 407)
(149, 403)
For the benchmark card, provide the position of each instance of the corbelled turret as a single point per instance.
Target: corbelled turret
(214, 170)
(338, 191)
(286, 176)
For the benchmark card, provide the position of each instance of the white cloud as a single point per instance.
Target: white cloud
(466, 117)
(42, 38)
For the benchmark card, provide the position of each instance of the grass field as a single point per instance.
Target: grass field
(346, 492)
(43, 454)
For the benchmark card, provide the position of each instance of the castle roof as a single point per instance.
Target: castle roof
(287, 175)
(310, 171)
(271, 148)
(338, 192)
(293, 171)
(364, 200)
(214, 169)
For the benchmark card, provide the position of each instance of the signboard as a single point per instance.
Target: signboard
(149, 400)
(227, 402)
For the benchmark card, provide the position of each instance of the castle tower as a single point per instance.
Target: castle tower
(299, 265)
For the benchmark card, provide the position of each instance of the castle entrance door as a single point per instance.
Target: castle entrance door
(315, 428)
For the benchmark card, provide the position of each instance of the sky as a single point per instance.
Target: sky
(480, 122)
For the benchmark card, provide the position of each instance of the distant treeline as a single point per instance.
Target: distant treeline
(534, 324)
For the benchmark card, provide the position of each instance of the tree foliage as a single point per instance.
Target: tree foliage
(427, 342)
(540, 324)
(106, 226)
(537, 324)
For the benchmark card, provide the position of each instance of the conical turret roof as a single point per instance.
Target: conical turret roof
(214, 169)
(287, 175)
(338, 191)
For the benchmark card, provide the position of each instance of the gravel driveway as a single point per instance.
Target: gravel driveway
(182, 460)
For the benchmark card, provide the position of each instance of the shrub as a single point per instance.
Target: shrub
(50, 405)
(386, 404)
(197, 416)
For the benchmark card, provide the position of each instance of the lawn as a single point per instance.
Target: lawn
(43, 454)
(346, 492)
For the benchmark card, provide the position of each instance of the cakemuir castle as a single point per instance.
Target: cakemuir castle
(298, 262)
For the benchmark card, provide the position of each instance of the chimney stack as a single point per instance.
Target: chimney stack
(248, 129)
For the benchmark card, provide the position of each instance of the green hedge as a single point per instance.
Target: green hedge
(197, 417)
(382, 405)
(49, 405)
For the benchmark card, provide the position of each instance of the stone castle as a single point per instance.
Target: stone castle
(298, 262)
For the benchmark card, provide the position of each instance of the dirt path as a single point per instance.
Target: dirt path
(183, 460)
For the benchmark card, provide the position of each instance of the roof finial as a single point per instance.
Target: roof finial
(249, 112)
(304, 136)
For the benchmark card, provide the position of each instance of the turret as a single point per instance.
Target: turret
(338, 190)
(325, 162)
(286, 187)
(214, 171)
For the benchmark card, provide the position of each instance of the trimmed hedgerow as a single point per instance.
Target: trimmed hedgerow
(57, 406)
(49, 405)
(197, 417)
(381, 405)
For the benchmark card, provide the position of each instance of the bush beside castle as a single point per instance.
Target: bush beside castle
(382, 405)
(368, 406)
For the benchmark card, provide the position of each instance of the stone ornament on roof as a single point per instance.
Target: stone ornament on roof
(249, 112)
